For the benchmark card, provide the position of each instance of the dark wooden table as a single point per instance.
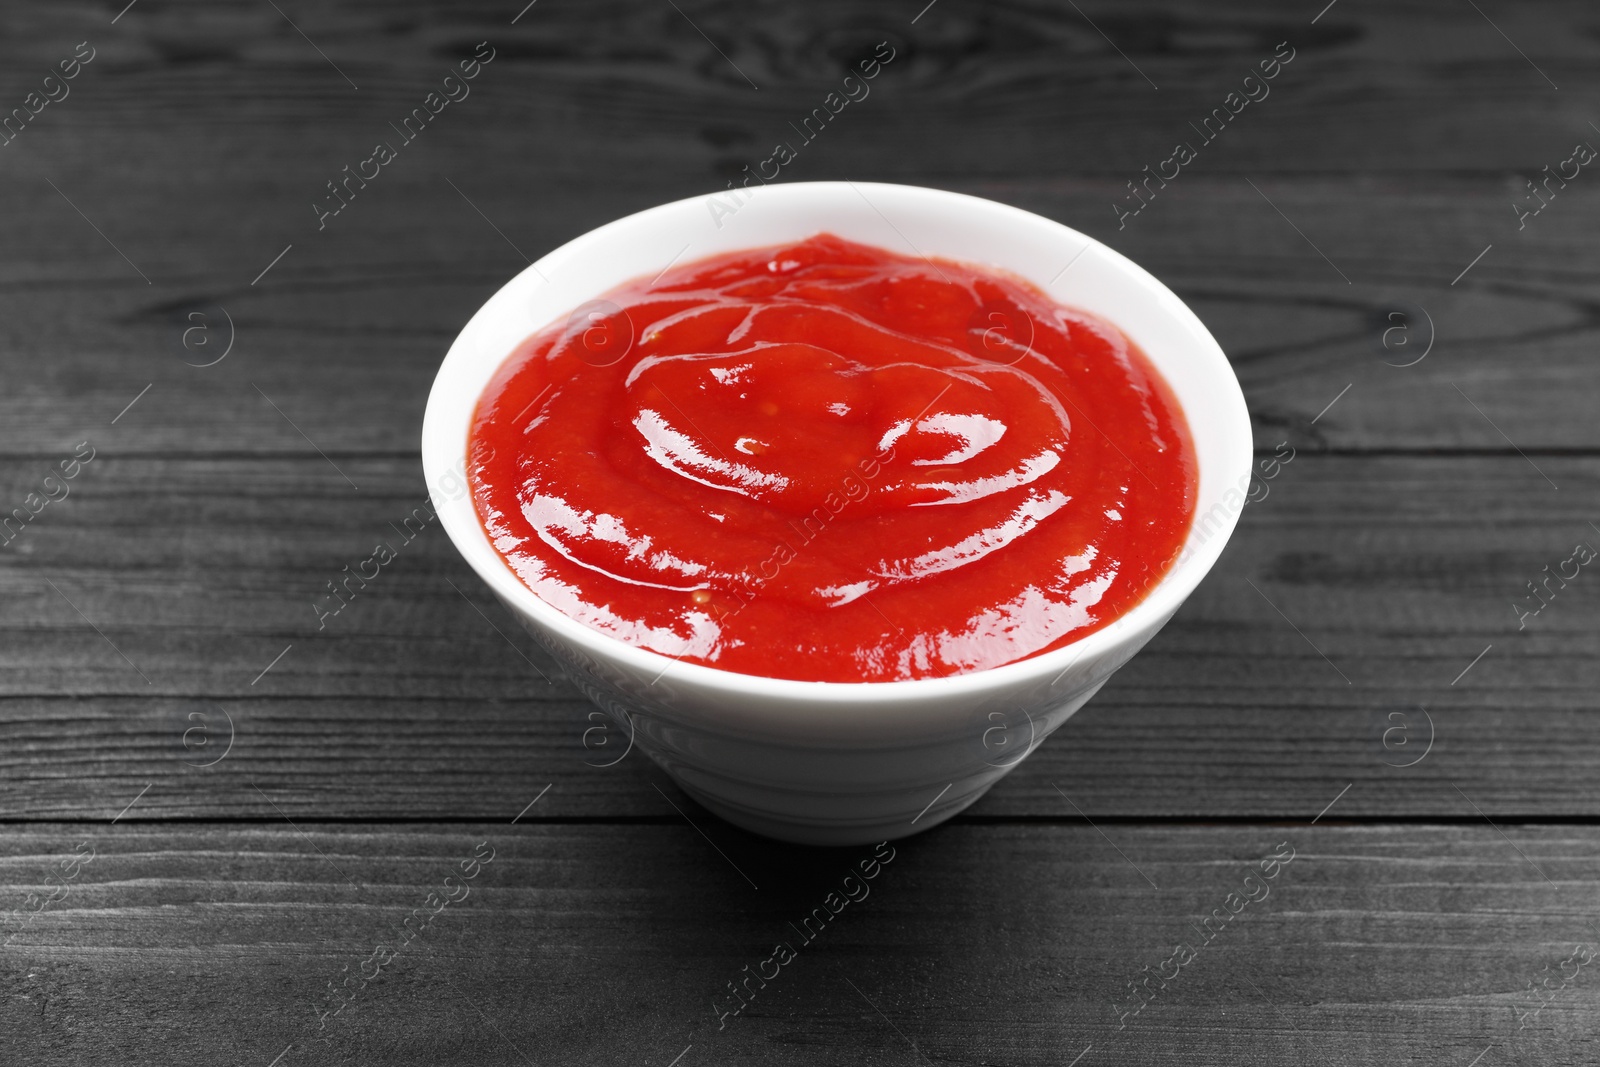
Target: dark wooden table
(214, 812)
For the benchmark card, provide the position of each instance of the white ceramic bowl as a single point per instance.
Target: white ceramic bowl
(824, 762)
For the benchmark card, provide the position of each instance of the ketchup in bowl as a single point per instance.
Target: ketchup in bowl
(829, 462)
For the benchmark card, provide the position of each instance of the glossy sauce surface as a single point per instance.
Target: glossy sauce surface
(829, 462)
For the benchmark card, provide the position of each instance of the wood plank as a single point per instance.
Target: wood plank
(632, 85)
(337, 348)
(1397, 572)
(607, 944)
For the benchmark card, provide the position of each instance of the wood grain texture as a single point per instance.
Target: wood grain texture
(607, 944)
(422, 699)
(1371, 89)
(226, 125)
(267, 801)
(346, 345)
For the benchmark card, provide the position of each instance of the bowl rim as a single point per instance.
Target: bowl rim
(1145, 617)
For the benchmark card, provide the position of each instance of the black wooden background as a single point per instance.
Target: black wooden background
(212, 812)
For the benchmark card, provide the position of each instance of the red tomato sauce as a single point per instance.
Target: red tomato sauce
(829, 462)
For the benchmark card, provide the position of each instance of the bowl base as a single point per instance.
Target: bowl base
(840, 834)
